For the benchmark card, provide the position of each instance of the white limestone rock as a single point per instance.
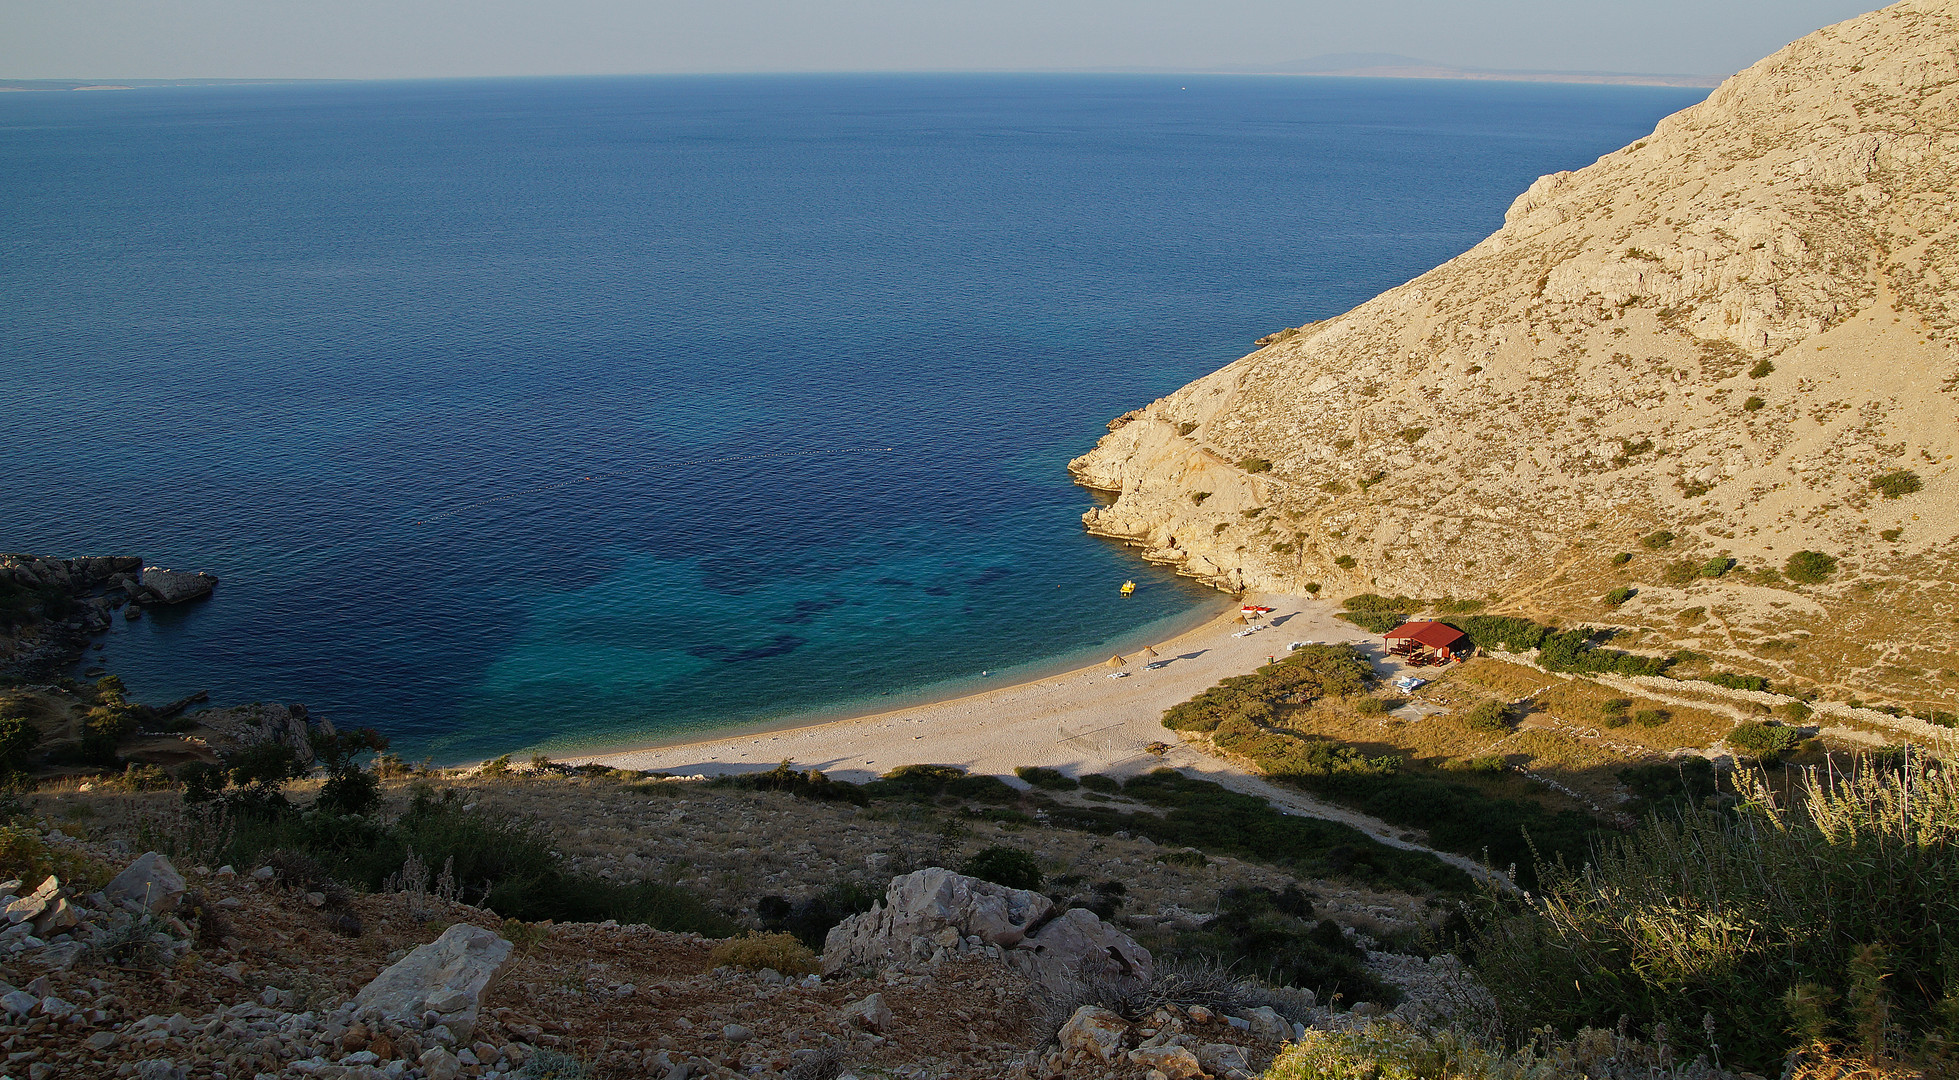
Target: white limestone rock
(149, 881)
(447, 976)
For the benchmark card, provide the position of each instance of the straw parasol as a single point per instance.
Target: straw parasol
(1113, 661)
(1147, 651)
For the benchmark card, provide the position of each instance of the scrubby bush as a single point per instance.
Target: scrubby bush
(1488, 718)
(1255, 465)
(1764, 739)
(1043, 777)
(810, 919)
(1762, 369)
(1345, 562)
(1683, 782)
(1754, 404)
(26, 856)
(1795, 712)
(1622, 558)
(1619, 595)
(802, 783)
(1681, 571)
(1012, 867)
(1897, 483)
(1373, 706)
(1810, 567)
(18, 738)
(1744, 913)
(1107, 785)
(1737, 682)
(1658, 541)
(1301, 675)
(766, 950)
(1651, 717)
(1271, 934)
(1717, 566)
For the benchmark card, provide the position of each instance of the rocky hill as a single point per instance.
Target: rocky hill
(1737, 338)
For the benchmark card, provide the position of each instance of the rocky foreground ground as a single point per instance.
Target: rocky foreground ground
(226, 973)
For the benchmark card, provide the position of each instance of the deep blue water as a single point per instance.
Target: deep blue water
(356, 348)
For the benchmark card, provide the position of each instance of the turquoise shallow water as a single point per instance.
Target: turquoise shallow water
(568, 412)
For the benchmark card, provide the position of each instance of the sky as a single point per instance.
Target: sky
(72, 39)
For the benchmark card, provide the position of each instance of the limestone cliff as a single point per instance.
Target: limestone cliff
(1725, 331)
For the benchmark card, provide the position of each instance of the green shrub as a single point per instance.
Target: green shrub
(804, 784)
(1683, 782)
(1374, 622)
(1107, 785)
(1411, 435)
(1012, 867)
(1753, 404)
(1255, 465)
(1890, 536)
(1345, 562)
(1764, 738)
(1198, 497)
(1043, 777)
(1897, 484)
(497, 766)
(1373, 706)
(810, 919)
(1488, 718)
(18, 738)
(1681, 571)
(1271, 935)
(1658, 541)
(1622, 558)
(1651, 717)
(1186, 427)
(1810, 567)
(1312, 588)
(1737, 682)
(1311, 672)
(1762, 369)
(1717, 566)
(1619, 595)
(1794, 711)
(1576, 652)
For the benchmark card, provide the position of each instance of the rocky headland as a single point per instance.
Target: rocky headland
(1736, 339)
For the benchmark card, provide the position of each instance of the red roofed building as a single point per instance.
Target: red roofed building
(1446, 640)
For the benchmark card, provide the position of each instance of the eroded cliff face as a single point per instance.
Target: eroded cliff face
(1725, 330)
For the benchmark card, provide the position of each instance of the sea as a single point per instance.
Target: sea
(570, 414)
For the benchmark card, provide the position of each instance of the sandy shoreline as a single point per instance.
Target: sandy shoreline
(1078, 721)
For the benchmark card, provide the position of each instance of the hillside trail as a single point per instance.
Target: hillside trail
(1300, 804)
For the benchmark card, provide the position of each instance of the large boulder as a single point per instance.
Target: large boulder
(149, 881)
(160, 586)
(935, 909)
(1077, 946)
(445, 977)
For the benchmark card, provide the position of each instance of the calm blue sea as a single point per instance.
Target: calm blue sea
(574, 412)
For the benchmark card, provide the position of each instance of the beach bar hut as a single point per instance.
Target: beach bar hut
(1447, 641)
